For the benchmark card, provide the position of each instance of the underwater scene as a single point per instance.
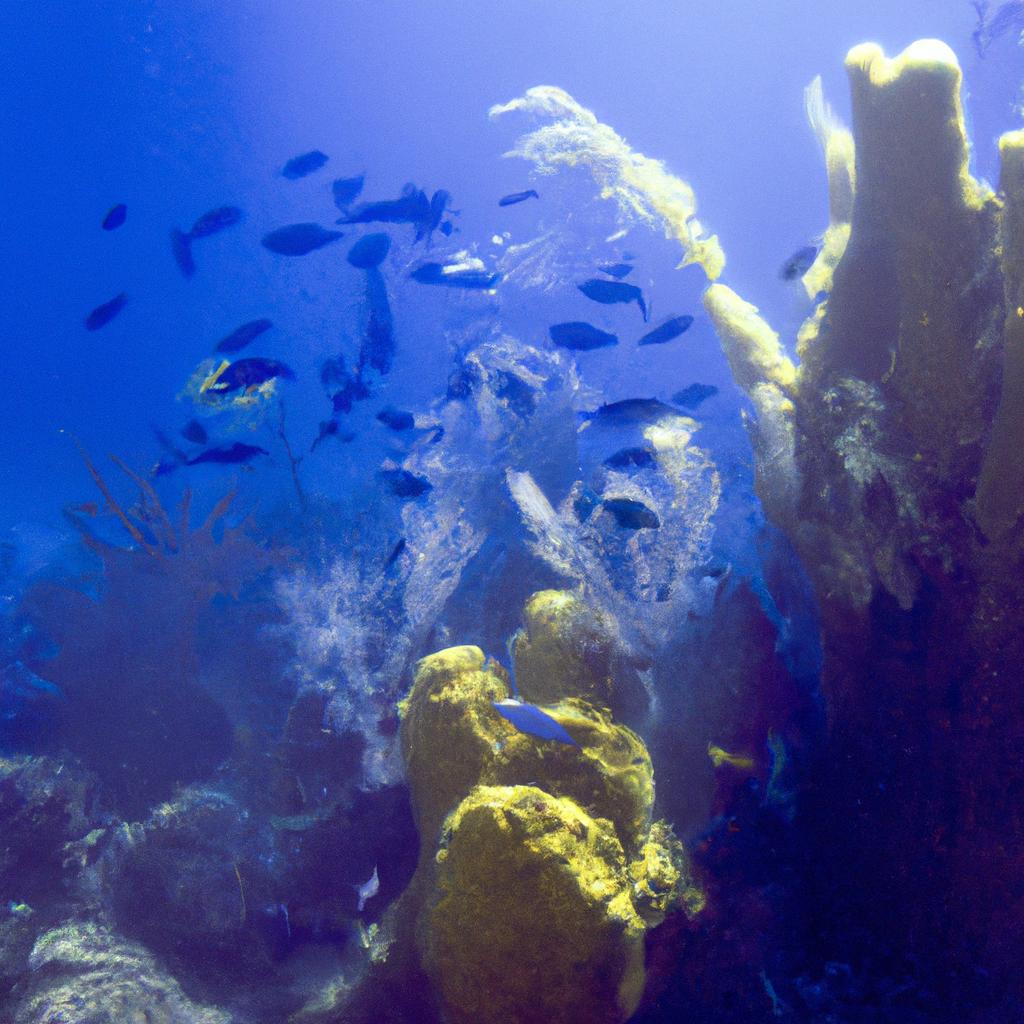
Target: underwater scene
(512, 513)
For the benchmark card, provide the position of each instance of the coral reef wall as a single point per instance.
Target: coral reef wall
(892, 458)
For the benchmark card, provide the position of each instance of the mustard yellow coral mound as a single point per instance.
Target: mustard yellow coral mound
(533, 919)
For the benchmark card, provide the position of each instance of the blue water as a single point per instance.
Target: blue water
(177, 108)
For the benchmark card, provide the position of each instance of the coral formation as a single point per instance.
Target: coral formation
(891, 457)
(549, 871)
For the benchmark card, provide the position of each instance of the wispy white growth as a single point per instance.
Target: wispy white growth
(643, 187)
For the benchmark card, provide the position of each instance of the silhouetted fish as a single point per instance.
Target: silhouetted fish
(369, 251)
(299, 239)
(378, 347)
(102, 315)
(181, 249)
(438, 204)
(227, 454)
(529, 719)
(667, 331)
(115, 217)
(619, 270)
(799, 263)
(413, 207)
(242, 336)
(354, 390)
(249, 373)
(628, 458)
(345, 190)
(609, 292)
(395, 552)
(306, 163)
(632, 515)
(396, 419)
(455, 275)
(194, 432)
(446, 228)
(330, 428)
(631, 410)
(580, 336)
(690, 397)
(405, 484)
(216, 220)
(518, 197)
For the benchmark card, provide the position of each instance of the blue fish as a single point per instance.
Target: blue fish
(181, 249)
(242, 336)
(439, 273)
(667, 331)
(617, 270)
(228, 454)
(299, 239)
(194, 432)
(330, 428)
(345, 191)
(799, 263)
(627, 458)
(215, 220)
(610, 292)
(630, 410)
(412, 207)
(102, 315)
(404, 484)
(529, 719)
(438, 204)
(396, 419)
(632, 515)
(306, 163)
(249, 373)
(690, 397)
(115, 217)
(518, 197)
(378, 347)
(580, 336)
(369, 251)
(354, 390)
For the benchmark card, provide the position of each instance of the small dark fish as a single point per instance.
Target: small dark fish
(242, 336)
(628, 458)
(413, 207)
(609, 292)
(580, 336)
(395, 552)
(229, 454)
(249, 373)
(194, 432)
(438, 204)
(102, 315)
(299, 239)
(404, 484)
(396, 419)
(439, 273)
(115, 217)
(354, 390)
(215, 220)
(690, 397)
(529, 719)
(437, 435)
(631, 410)
(446, 229)
(181, 248)
(667, 331)
(518, 197)
(618, 270)
(369, 251)
(632, 515)
(378, 346)
(585, 504)
(345, 190)
(799, 263)
(306, 163)
(330, 428)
